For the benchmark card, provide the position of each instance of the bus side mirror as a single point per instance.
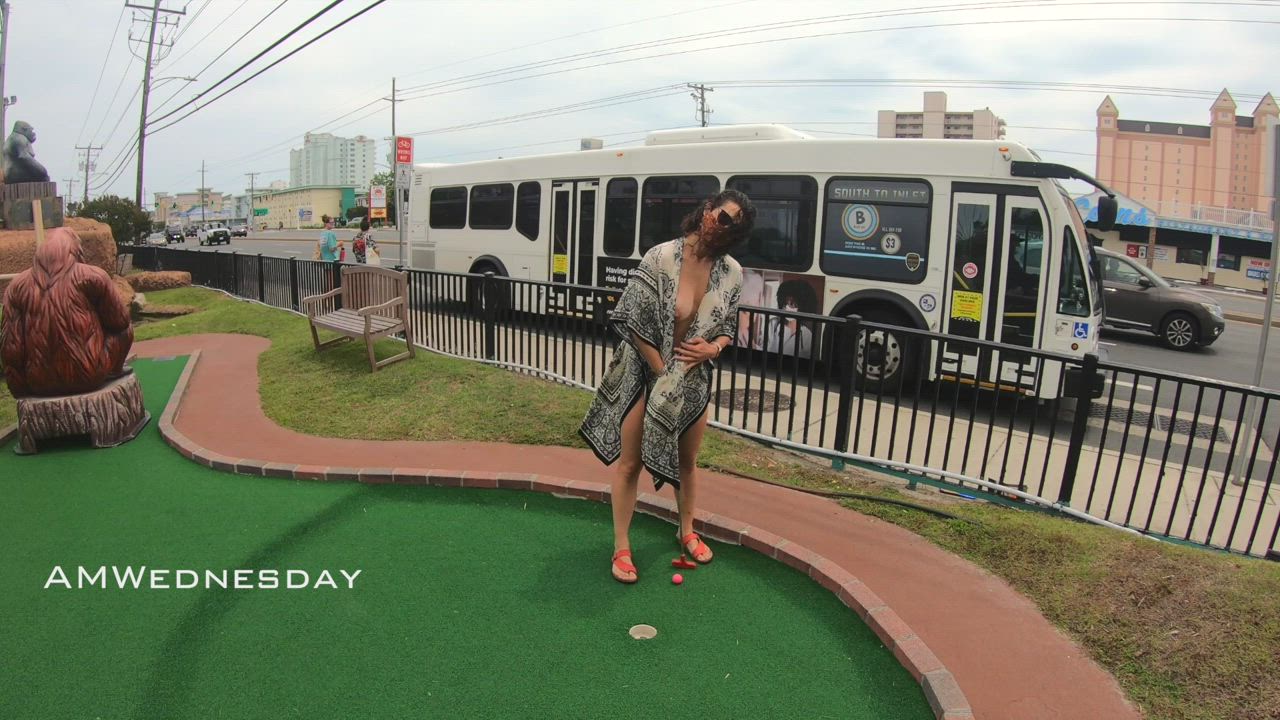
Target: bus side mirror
(1107, 209)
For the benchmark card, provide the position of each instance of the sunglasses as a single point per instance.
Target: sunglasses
(724, 218)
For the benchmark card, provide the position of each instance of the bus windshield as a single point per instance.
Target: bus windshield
(1091, 267)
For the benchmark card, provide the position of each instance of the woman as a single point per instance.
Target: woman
(363, 242)
(678, 313)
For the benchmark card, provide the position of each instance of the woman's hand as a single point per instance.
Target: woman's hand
(697, 350)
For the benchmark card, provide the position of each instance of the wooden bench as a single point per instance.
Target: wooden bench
(375, 303)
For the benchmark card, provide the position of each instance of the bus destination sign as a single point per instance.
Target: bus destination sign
(878, 191)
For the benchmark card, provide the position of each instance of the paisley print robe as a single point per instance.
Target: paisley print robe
(676, 399)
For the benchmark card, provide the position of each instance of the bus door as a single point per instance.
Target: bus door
(573, 233)
(996, 284)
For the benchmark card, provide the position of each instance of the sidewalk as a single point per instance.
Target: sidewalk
(1008, 660)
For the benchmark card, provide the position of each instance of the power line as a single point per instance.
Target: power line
(111, 44)
(625, 98)
(225, 50)
(207, 35)
(826, 19)
(114, 96)
(251, 60)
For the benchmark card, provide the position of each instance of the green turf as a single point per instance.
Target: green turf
(470, 604)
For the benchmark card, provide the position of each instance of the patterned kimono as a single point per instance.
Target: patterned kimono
(675, 400)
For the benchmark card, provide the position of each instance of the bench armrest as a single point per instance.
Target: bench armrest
(373, 309)
(310, 300)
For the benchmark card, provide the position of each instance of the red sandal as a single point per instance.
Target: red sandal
(624, 566)
(700, 552)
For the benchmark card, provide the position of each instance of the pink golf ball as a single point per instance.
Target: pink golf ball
(677, 579)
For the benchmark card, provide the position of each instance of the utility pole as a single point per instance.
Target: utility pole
(252, 177)
(4, 44)
(700, 94)
(155, 11)
(1250, 420)
(204, 194)
(71, 186)
(88, 165)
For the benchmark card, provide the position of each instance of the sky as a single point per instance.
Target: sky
(72, 66)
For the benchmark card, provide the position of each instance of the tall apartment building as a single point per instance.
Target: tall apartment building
(1178, 169)
(935, 122)
(326, 159)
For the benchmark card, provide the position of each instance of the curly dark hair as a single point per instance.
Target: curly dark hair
(800, 291)
(740, 230)
(364, 225)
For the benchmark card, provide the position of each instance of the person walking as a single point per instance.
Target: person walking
(677, 314)
(328, 242)
(362, 244)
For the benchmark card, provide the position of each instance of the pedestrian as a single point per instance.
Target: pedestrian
(362, 244)
(677, 314)
(328, 245)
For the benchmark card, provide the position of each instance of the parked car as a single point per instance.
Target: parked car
(210, 234)
(190, 231)
(1139, 299)
(173, 234)
(240, 230)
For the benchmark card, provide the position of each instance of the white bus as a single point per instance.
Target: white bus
(971, 238)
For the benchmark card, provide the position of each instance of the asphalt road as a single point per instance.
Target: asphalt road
(295, 243)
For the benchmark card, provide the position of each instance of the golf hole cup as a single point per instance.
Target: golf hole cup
(643, 632)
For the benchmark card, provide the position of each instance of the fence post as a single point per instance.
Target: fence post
(487, 315)
(293, 284)
(844, 408)
(235, 273)
(262, 289)
(1079, 423)
(335, 281)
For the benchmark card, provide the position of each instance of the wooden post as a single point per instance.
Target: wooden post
(37, 212)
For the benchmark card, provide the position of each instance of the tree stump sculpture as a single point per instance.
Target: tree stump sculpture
(64, 337)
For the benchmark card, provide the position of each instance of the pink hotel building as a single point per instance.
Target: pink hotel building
(1209, 185)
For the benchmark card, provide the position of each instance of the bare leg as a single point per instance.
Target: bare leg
(690, 443)
(625, 481)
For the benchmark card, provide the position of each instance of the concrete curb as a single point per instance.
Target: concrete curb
(8, 433)
(1251, 319)
(940, 687)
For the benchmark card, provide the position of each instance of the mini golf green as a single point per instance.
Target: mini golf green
(469, 603)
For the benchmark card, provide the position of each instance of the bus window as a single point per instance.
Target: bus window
(448, 208)
(666, 202)
(492, 206)
(1073, 291)
(877, 229)
(786, 212)
(973, 235)
(620, 217)
(528, 209)
(1022, 276)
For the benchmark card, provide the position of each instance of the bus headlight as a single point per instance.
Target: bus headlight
(1213, 308)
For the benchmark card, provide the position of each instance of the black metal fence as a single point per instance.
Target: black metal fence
(1183, 458)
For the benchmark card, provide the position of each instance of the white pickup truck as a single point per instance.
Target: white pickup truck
(210, 234)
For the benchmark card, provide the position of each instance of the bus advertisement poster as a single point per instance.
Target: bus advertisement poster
(615, 272)
(788, 292)
(877, 229)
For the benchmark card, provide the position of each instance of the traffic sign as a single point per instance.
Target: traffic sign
(404, 150)
(257, 212)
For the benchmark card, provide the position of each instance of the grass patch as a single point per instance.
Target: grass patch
(1190, 634)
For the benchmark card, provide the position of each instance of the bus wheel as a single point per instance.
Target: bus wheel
(883, 360)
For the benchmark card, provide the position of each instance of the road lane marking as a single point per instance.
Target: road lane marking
(1126, 384)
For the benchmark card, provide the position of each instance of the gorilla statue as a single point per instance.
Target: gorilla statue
(20, 164)
(64, 330)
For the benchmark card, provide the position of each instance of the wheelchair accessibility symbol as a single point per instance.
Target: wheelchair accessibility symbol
(1080, 330)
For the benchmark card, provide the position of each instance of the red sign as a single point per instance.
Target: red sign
(404, 150)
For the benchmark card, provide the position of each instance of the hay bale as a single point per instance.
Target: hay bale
(162, 280)
(124, 290)
(17, 247)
